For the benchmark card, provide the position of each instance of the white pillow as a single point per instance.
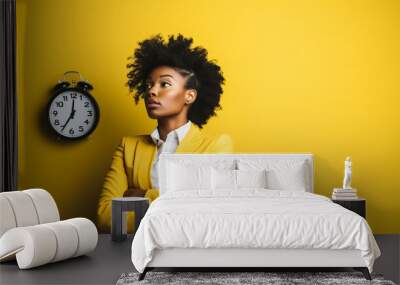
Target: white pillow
(237, 179)
(252, 178)
(223, 179)
(181, 177)
(288, 179)
(282, 174)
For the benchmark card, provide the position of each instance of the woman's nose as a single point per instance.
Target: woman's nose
(153, 92)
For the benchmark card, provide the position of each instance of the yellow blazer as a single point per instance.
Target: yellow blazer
(131, 168)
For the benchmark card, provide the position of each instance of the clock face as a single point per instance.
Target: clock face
(73, 114)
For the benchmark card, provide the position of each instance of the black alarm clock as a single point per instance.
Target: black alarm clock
(73, 113)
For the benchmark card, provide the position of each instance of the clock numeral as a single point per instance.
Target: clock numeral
(87, 105)
(87, 122)
(90, 113)
(56, 122)
(55, 113)
(81, 129)
(65, 98)
(71, 131)
(60, 104)
(73, 95)
(80, 96)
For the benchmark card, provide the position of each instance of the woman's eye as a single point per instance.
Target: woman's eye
(163, 84)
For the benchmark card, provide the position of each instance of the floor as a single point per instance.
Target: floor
(102, 266)
(389, 262)
(110, 260)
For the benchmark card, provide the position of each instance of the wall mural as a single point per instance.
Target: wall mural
(181, 89)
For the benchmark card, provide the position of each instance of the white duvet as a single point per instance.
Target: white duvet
(251, 218)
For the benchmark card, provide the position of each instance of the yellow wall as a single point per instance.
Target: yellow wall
(301, 76)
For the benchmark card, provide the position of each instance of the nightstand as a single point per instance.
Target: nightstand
(357, 205)
(119, 207)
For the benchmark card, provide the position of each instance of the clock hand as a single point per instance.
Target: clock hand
(73, 109)
(71, 116)
(63, 127)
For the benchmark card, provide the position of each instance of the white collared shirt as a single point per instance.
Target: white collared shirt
(170, 145)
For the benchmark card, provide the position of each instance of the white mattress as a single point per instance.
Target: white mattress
(250, 218)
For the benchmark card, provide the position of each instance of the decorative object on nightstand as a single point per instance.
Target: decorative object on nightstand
(344, 194)
(357, 205)
(347, 173)
(347, 192)
(347, 196)
(122, 205)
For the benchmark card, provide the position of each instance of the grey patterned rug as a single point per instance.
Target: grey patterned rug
(230, 278)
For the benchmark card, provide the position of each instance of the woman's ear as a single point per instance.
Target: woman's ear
(190, 96)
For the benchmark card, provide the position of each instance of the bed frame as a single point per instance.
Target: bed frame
(246, 258)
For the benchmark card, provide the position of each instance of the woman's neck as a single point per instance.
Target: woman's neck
(165, 126)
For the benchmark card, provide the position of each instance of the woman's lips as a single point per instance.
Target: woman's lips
(153, 105)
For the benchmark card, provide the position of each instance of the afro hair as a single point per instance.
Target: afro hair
(205, 76)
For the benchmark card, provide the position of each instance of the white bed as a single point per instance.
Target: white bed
(289, 226)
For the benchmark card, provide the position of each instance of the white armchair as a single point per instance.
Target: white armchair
(31, 231)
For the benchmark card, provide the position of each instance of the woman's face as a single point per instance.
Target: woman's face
(166, 94)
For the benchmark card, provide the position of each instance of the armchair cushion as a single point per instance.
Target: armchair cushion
(32, 233)
(46, 243)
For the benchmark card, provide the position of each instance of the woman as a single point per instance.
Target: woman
(181, 88)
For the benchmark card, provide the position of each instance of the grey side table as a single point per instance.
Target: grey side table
(120, 206)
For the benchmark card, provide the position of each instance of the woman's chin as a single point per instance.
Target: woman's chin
(152, 114)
